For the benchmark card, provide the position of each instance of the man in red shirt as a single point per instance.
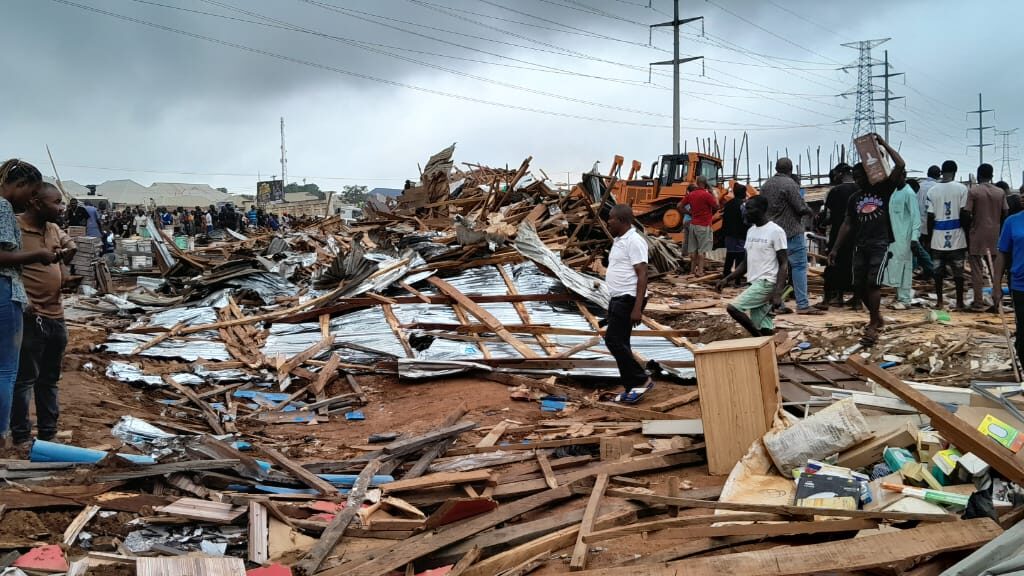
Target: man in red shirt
(701, 205)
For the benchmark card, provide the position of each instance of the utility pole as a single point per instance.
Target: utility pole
(675, 62)
(981, 131)
(1005, 168)
(864, 114)
(886, 119)
(284, 157)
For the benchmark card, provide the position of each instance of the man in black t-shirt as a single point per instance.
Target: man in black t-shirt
(867, 221)
(839, 277)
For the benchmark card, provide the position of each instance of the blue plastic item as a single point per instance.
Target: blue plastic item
(355, 415)
(43, 451)
(350, 479)
(552, 405)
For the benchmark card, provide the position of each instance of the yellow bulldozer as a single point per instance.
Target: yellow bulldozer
(657, 198)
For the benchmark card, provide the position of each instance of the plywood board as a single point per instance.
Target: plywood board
(688, 427)
(190, 566)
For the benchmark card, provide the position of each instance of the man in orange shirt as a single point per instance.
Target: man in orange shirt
(45, 336)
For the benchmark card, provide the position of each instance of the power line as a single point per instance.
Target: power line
(372, 78)
(767, 31)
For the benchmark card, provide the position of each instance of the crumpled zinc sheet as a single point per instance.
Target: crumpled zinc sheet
(529, 244)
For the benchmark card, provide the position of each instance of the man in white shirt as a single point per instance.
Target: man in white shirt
(766, 267)
(626, 278)
(946, 201)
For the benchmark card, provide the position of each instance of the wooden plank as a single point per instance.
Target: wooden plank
(259, 533)
(689, 427)
(423, 544)
(579, 348)
(407, 446)
(494, 541)
(439, 448)
(780, 529)
(189, 566)
(524, 315)
(248, 466)
(953, 429)
(76, 526)
(465, 562)
(554, 541)
(876, 551)
(630, 412)
(494, 435)
(158, 339)
(437, 479)
(676, 401)
(656, 525)
(301, 474)
(161, 469)
(776, 509)
(392, 320)
(545, 468)
(211, 416)
(326, 374)
(870, 451)
(484, 316)
(579, 551)
(529, 446)
(289, 365)
(334, 531)
(203, 510)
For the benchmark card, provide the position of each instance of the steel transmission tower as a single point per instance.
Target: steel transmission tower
(1005, 166)
(864, 114)
(675, 62)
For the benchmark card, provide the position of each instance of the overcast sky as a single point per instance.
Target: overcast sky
(370, 88)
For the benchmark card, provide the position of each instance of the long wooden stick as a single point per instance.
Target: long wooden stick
(997, 299)
(60, 186)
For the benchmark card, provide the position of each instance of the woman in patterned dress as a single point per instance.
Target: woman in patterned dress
(19, 182)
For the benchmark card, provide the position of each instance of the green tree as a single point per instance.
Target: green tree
(354, 195)
(310, 188)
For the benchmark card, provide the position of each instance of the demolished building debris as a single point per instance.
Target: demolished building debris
(400, 329)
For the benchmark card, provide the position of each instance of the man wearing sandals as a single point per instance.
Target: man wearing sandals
(627, 283)
(868, 222)
(766, 267)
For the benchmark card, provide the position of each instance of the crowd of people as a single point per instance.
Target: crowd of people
(880, 233)
(127, 222)
(34, 249)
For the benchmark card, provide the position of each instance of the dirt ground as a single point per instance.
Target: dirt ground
(91, 404)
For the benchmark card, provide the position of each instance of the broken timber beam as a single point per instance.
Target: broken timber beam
(336, 529)
(953, 429)
(579, 551)
(375, 563)
(484, 316)
(211, 416)
(439, 447)
(301, 474)
(876, 551)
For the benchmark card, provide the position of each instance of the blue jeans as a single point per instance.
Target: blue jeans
(10, 350)
(797, 249)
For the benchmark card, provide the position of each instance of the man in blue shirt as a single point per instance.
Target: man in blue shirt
(1011, 257)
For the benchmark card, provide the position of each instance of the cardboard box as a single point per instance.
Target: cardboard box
(876, 163)
(1002, 432)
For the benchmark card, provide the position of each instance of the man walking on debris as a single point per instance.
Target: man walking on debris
(701, 205)
(787, 209)
(906, 229)
(45, 336)
(868, 222)
(839, 276)
(986, 208)
(924, 259)
(766, 267)
(627, 284)
(735, 227)
(946, 225)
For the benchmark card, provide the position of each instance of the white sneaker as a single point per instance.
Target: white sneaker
(898, 306)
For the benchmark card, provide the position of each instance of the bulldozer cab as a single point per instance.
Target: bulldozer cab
(684, 168)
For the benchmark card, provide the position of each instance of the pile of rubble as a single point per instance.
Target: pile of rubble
(243, 349)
